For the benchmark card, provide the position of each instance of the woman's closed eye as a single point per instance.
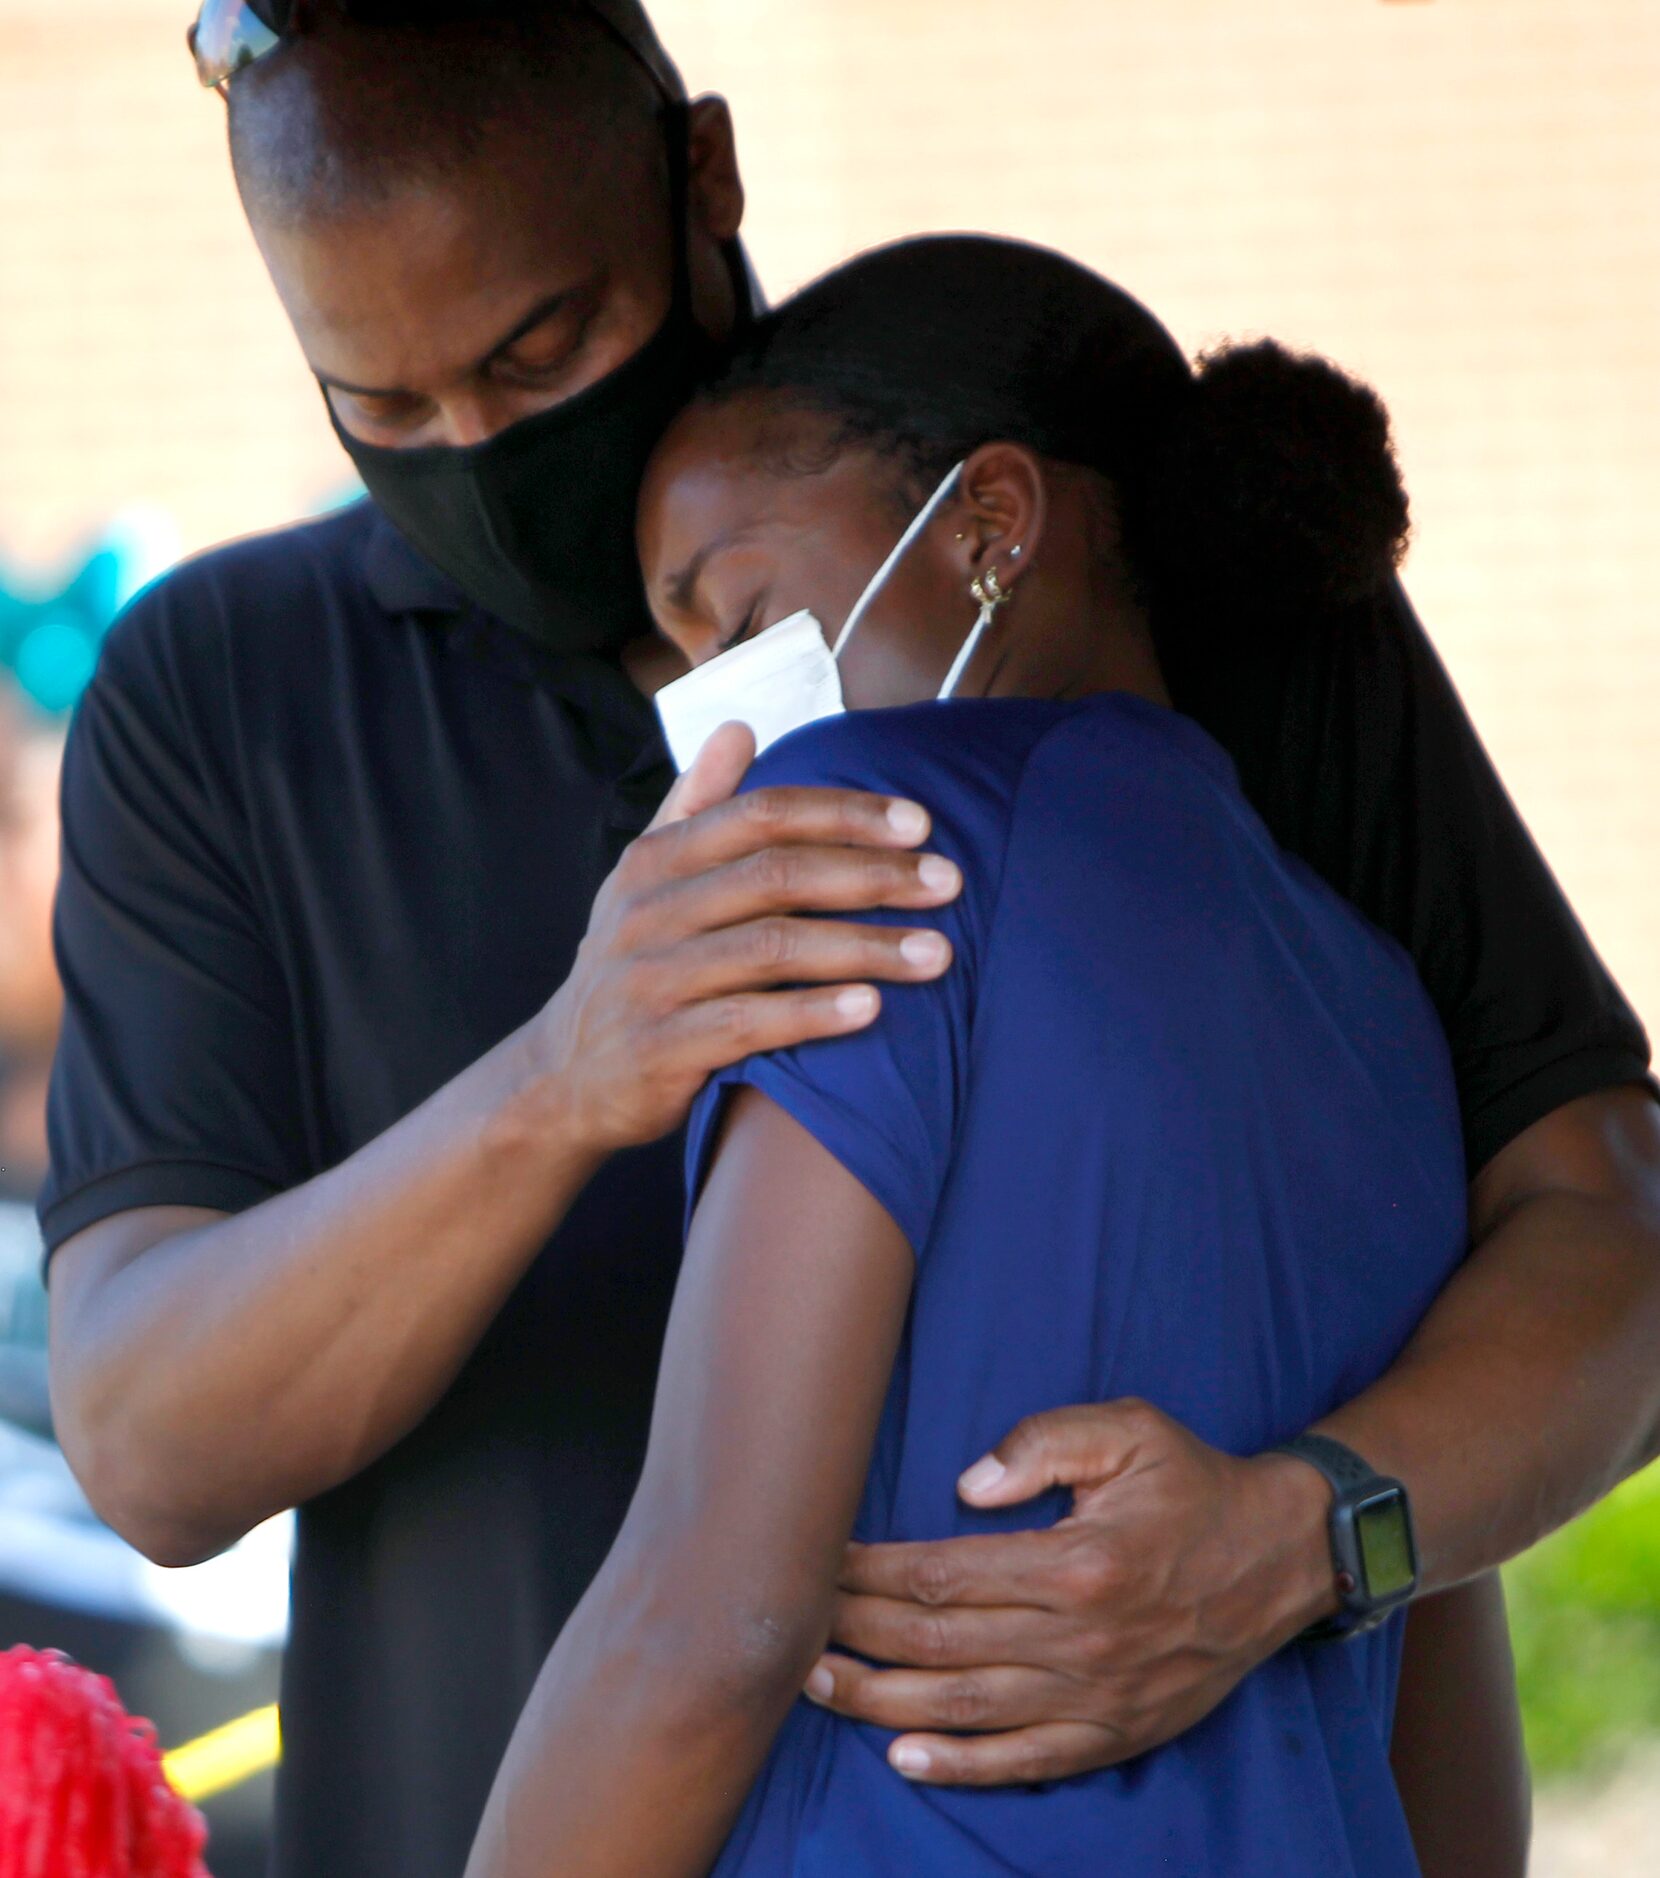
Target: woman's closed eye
(745, 628)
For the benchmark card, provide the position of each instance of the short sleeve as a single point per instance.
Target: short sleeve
(886, 1101)
(175, 1077)
(1353, 744)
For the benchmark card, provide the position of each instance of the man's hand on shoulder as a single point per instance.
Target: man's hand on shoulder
(1033, 1656)
(709, 942)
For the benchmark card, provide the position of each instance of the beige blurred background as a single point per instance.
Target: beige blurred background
(1457, 198)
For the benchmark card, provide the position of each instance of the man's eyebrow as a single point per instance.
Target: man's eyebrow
(680, 588)
(543, 310)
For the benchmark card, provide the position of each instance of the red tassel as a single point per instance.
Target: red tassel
(82, 1791)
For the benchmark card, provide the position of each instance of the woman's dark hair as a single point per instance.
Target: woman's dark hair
(1262, 482)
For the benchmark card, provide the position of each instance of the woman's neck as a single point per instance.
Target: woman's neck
(1066, 648)
(1122, 664)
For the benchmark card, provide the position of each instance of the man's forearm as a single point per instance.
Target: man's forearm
(226, 1372)
(208, 1372)
(1530, 1390)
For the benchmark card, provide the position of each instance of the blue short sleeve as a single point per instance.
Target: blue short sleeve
(886, 1101)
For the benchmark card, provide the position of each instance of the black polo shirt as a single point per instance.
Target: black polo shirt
(328, 837)
(329, 834)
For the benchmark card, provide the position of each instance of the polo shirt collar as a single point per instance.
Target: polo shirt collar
(403, 584)
(402, 581)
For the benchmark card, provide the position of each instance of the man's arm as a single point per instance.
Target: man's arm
(1530, 1390)
(657, 1707)
(209, 1371)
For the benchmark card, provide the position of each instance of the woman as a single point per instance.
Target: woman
(1159, 1032)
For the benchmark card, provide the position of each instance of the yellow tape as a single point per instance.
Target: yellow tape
(214, 1763)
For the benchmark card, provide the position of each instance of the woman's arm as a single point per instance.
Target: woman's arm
(1457, 1753)
(658, 1705)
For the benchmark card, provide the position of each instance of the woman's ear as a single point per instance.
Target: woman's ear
(1003, 502)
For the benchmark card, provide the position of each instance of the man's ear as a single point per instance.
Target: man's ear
(715, 187)
(1003, 502)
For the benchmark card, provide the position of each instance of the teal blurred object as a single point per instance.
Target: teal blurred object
(50, 630)
(1585, 1617)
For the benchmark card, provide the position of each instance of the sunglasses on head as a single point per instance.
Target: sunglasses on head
(230, 35)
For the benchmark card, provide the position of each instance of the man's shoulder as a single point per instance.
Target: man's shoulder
(259, 571)
(270, 597)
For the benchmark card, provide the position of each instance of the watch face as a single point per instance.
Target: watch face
(1385, 1545)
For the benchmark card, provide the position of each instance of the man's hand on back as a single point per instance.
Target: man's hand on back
(1038, 1655)
(705, 922)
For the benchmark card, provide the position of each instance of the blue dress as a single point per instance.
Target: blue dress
(1179, 1125)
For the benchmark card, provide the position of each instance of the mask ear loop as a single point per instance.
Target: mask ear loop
(930, 509)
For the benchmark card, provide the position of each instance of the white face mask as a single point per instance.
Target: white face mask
(787, 676)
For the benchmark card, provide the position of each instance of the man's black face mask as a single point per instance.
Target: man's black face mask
(536, 524)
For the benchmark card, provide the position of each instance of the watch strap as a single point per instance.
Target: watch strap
(1350, 1477)
(1342, 1467)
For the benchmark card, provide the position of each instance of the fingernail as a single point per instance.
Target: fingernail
(908, 1759)
(922, 948)
(857, 1003)
(937, 874)
(982, 1476)
(908, 820)
(821, 1685)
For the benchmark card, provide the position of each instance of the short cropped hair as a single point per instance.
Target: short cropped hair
(383, 94)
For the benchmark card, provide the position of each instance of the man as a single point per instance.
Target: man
(373, 1006)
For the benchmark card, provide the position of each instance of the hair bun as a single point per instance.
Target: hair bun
(1275, 490)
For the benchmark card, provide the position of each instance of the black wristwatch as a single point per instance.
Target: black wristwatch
(1373, 1551)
